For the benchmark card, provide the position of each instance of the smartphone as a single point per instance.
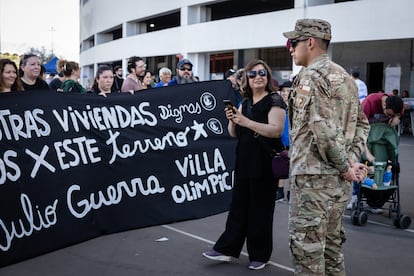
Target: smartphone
(229, 104)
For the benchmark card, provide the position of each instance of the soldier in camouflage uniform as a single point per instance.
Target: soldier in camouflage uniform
(328, 134)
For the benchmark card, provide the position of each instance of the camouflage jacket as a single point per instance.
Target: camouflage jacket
(328, 127)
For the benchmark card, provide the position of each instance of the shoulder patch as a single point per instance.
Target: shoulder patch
(304, 90)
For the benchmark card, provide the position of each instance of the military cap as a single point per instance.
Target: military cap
(311, 28)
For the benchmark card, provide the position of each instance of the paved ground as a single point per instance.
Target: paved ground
(377, 248)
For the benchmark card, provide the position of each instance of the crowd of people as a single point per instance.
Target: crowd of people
(323, 123)
(31, 75)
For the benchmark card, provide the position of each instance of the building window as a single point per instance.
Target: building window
(276, 58)
(109, 35)
(312, 3)
(117, 34)
(162, 22)
(88, 43)
(220, 63)
(235, 8)
(153, 24)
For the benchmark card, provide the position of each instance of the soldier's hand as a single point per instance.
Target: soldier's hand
(356, 172)
(350, 174)
(361, 170)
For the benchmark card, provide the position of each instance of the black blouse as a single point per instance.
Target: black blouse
(252, 159)
(38, 85)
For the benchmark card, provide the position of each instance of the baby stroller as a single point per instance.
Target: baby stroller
(383, 143)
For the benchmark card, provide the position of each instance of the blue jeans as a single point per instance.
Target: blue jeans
(355, 188)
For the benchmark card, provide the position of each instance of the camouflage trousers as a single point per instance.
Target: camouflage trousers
(316, 233)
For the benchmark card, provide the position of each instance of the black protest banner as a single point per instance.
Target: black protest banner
(77, 166)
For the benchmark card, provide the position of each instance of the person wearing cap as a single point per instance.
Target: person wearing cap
(328, 133)
(231, 75)
(239, 79)
(184, 73)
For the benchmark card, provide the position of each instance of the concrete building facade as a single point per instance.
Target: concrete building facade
(375, 36)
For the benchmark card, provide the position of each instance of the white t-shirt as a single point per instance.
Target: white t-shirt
(362, 89)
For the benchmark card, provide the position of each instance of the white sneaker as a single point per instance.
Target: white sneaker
(354, 200)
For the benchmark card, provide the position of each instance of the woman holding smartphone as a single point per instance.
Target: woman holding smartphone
(250, 219)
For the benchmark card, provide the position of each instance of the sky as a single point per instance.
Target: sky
(36, 23)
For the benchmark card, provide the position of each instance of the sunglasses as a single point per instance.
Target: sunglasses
(252, 74)
(294, 42)
(186, 69)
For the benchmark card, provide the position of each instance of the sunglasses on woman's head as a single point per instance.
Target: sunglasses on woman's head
(252, 74)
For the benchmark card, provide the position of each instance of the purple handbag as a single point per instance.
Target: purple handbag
(280, 160)
(280, 165)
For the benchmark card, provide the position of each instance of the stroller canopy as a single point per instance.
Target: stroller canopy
(383, 142)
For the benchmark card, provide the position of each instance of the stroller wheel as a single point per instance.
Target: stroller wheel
(362, 218)
(359, 218)
(390, 209)
(354, 217)
(402, 221)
